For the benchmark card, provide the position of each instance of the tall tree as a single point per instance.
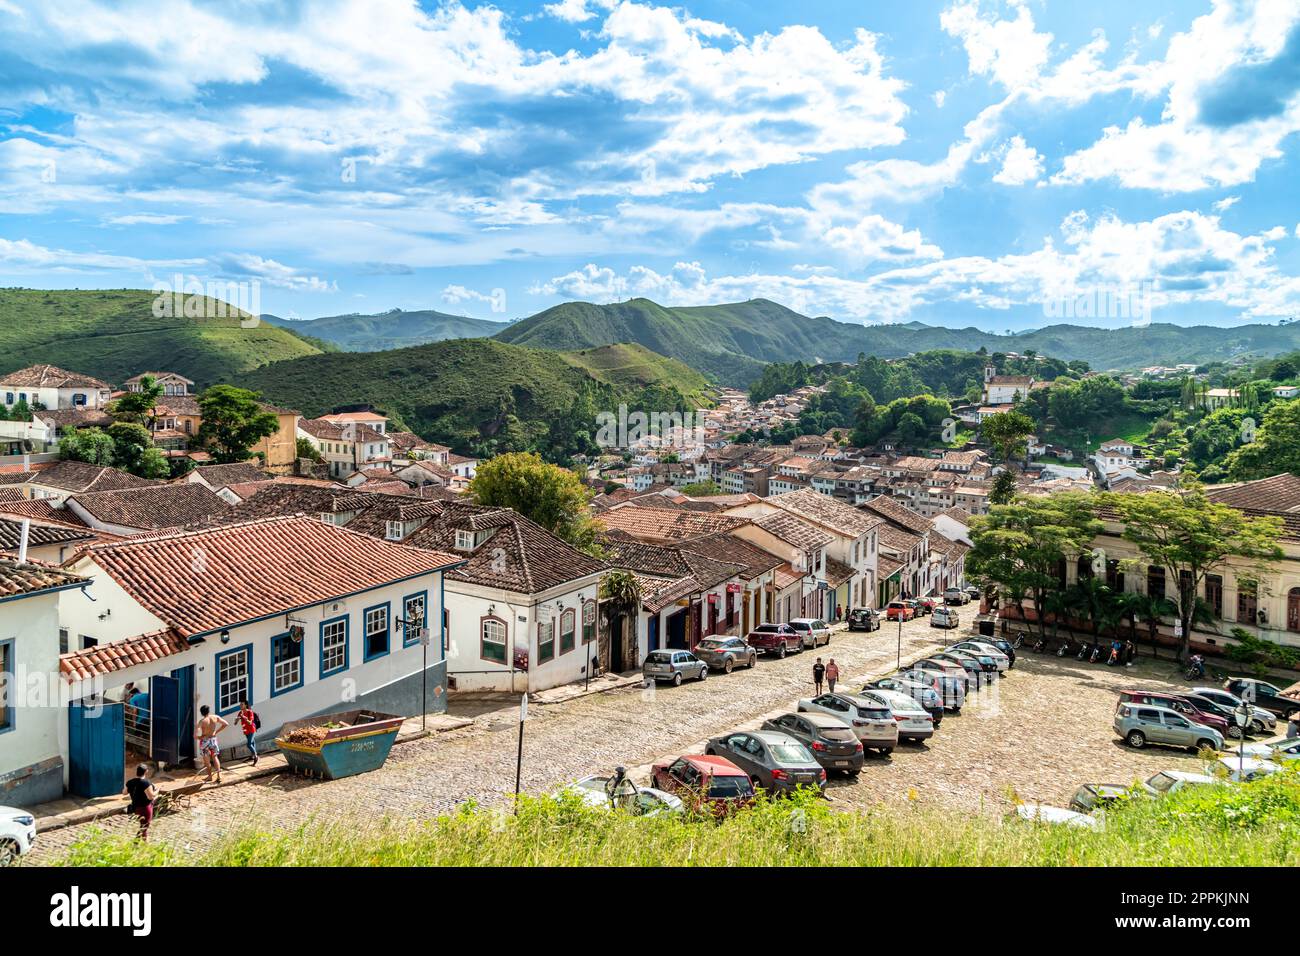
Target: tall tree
(91, 445)
(1020, 546)
(139, 406)
(233, 422)
(553, 497)
(1276, 445)
(1192, 537)
(1007, 432)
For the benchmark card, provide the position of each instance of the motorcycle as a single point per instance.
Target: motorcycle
(1195, 667)
(1065, 648)
(1040, 645)
(1015, 645)
(1083, 652)
(1095, 655)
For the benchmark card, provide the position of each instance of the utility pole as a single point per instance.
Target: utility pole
(519, 758)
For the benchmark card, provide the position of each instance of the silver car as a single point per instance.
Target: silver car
(951, 689)
(1142, 724)
(914, 721)
(813, 631)
(982, 650)
(871, 720)
(725, 653)
(673, 666)
(1261, 720)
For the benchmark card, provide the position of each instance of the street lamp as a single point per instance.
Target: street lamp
(1242, 715)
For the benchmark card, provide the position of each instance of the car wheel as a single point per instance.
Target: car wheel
(781, 651)
(1234, 732)
(727, 665)
(1136, 739)
(753, 658)
(8, 853)
(677, 679)
(1257, 726)
(1205, 744)
(704, 672)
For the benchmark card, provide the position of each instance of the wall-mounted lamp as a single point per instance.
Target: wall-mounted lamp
(225, 637)
(108, 612)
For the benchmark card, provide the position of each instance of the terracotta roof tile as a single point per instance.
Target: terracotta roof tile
(32, 577)
(119, 655)
(51, 376)
(153, 508)
(667, 524)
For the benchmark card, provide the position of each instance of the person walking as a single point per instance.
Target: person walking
(832, 674)
(819, 673)
(142, 793)
(250, 724)
(209, 726)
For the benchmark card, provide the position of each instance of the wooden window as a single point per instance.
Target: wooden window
(1214, 593)
(568, 628)
(376, 631)
(545, 641)
(1247, 604)
(588, 622)
(7, 689)
(492, 640)
(234, 678)
(1293, 610)
(286, 664)
(413, 613)
(1155, 581)
(333, 646)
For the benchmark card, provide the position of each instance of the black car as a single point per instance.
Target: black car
(1004, 646)
(1262, 694)
(1090, 796)
(834, 745)
(863, 619)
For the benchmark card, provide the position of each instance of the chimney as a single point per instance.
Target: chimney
(27, 462)
(22, 540)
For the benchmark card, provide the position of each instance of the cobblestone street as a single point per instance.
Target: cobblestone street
(1041, 731)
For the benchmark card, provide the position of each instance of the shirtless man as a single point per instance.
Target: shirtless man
(209, 726)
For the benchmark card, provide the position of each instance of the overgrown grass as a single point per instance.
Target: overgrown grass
(1256, 824)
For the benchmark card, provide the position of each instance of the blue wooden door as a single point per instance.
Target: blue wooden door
(164, 704)
(653, 642)
(96, 749)
(185, 724)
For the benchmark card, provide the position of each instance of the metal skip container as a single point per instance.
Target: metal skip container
(340, 745)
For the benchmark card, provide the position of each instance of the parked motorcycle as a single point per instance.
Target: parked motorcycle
(1095, 655)
(1195, 667)
(1040, 645)
(1065, 648)
(1083, 652)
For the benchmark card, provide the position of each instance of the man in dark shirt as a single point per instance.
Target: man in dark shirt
(819, 673)
(142, 793)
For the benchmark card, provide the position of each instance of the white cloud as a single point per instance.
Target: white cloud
(270, 272)
(1021, 163)
(23, 255)
(1226, 203)
(570, 11)
(875, 238)
(1012, 52)
(939, 97)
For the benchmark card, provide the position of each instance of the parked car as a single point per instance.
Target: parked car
(982, 649)
(974, 592)
(17, 834)
(863, 619)
(673, 666)
(951, 690)
(952, 669)
(1238, 770)
(991, 662)
(1183, 705)
(873, 723)
(1279, 751)
(1261, 693)
(923, 692)
(923, 605)
(641, 801)
(899, 611)
(814, 632)
(955, 596)
(975, 673)
(834, 745)
(1042, 813)
(1091, 796)
(914, 721)
(1140, 725)
(1005, 646)
(704, 782)
(1261, 722)
(774, 761)
(945, 617)
(725, 653)
(778, 639)
(1171, 781)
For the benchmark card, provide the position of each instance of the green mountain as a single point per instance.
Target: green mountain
(113, 334)
(394, 329)
(480, 395)
(730, 343)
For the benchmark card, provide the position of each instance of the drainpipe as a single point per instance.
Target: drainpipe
(23, 535)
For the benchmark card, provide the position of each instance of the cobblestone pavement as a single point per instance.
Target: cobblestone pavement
(1042, 730)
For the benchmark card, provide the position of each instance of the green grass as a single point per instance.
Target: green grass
(1255, 824)
(627, 365)
(1129, 426)
(113, 334)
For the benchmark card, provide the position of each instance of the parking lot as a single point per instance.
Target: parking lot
(1040, 731)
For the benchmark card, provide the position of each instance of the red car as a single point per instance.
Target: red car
(705, 781)
(1187, 708)
(778, 639)
(899, 611)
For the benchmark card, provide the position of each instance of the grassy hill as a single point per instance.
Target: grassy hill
(388, 330)
(730, 343)
(113, 334)
(464, 392)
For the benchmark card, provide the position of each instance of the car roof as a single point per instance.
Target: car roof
(804, 620)
(825, 721)
(718, 766)
(1188, 776)
(772, 736)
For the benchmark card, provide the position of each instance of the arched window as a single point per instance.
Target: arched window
(588, 622)
(1293, 610)
(492, 639)
(568, 627)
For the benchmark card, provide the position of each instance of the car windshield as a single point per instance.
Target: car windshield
(768, 628)
(790, 753)
(710, 645)
(659, 657)
(730, 787)
(1161, 782)
(873, 713)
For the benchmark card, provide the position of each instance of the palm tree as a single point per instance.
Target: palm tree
(621, 595)
(1059, 604)
(1091, 597)
(1153, 609)
(1130, 605)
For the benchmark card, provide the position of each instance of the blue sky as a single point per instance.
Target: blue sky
(999, 164)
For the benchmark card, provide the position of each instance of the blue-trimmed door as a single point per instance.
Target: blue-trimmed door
(165, 707)
(96, 749)
(187, 720)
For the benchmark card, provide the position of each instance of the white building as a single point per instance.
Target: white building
(53, 387)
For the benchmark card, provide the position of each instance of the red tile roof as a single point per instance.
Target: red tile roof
(32, 577)
(51, 376)
(119, 655)
(201, 581)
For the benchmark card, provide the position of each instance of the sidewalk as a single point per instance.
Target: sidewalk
(73, 810)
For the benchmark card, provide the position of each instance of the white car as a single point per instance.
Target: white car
(945, 617)
(1171, 781)
(1279, 751)
(914, 721)
(871, 720)
(1261, 720)
(955, 596)
(813, 631)
(1042, 813)
(980, 649)
(17, 834)
(1238, 770)
(643, 801)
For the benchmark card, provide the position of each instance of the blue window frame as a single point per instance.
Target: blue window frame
(334, 651)
(415, 607)
(8, 692)
(234, 678)
(375, 631)
(286, 664)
